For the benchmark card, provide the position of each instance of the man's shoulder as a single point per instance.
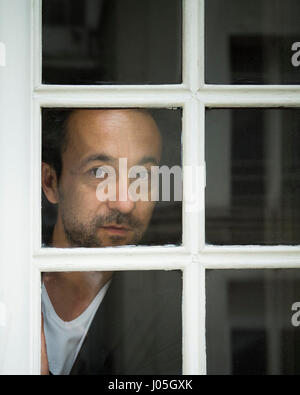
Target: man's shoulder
(149, 285)
(149, 296)
(131, 330)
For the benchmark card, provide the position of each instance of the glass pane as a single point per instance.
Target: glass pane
(253, 322)
(103, 323)
(252, 42)
(112, 41)
(253, 174)
(111, 177)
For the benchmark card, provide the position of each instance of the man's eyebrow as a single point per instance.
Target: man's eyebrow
(112, 160)
(148, 159)
(97, 157)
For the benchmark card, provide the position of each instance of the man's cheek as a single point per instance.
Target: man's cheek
(85, 198)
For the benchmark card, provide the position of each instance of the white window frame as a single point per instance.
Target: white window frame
(23, 259)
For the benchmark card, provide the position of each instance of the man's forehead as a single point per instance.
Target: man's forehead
(111, 118)
(117, 132)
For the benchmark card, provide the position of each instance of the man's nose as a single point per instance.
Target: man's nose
(123, 202)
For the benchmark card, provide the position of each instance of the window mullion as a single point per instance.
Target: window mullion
(193, 44)
(118, 259)
(250, 257)
(105, 97)
(193, 176)
(194, 342)
(250, 96)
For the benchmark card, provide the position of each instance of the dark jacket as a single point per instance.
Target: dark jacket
(137, 329)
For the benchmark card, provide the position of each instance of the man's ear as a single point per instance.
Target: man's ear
(49, 183)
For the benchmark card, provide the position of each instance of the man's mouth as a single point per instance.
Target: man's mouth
(119, 230)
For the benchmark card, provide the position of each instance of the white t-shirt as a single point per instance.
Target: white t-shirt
(64, 339)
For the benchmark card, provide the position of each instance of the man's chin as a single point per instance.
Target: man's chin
(117, 238)
(117, 241)
(101, 239)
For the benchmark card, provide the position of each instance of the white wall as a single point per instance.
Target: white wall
(15, 331)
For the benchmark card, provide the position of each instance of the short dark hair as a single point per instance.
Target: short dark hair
(54, 136)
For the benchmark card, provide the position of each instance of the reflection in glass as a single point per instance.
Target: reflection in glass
(111, 42)
(100, 323)
(253, 174)
(252, 322)
(253, 43)
(83, 206)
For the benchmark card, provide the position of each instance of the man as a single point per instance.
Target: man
(100, 322)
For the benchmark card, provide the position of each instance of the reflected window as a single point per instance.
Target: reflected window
(253, 174)
(252, 322)
(256, 43)
(111, 177)
(121, 323)
(112, 42)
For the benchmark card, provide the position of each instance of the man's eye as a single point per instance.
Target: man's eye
(98, 172)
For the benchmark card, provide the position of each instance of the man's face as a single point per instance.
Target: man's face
(97, 139)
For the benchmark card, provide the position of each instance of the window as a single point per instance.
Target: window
(225, 89)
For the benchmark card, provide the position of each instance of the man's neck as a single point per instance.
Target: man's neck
(71, 293)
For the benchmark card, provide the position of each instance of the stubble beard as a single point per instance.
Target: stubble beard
(85, 235)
